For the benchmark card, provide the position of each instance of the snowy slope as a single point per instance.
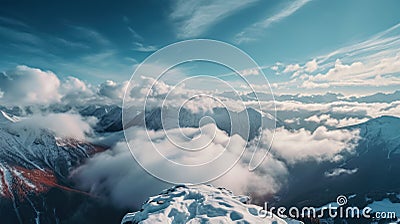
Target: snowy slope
(382, 130)
(34, 171)
(109, 117)
(6, 118)
(32, 159)
(199, 204)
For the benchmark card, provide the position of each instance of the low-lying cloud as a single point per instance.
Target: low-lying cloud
(320, 145)
(340, 171)
(117, 174)
(326, 119)
(62, 124)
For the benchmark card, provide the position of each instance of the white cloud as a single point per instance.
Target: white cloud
(373, 62)
(25, 85)
(311, 66)
(382, 44)
(115, 172)
(318, 119)
(155, 90)
(340, 171)
(90, 35)
(193, 18)
(277, 68)
(75, 92)
(252, 71)
(31, 86)
(134, 34)
(292, 68)
(350, 121)
(274, 68)
(62, 124)
(285, 12)
(371, 73)
(72, 84)
(297, 69)
(112, 89)
(320, 145)
(326, 119)
(144, 48)
(351, 112)
(292, 121)
(393, 109)
(288, 10)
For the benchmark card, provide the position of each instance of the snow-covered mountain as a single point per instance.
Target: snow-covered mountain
(33, 162)
(109, 117)
(199, 204)
(246, 123)
(370, 172)
(35, 148)
(384, 130)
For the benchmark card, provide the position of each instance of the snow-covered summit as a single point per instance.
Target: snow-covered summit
(6, 118)
(199, 204)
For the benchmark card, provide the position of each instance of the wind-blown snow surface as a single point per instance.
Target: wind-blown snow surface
(199, 204)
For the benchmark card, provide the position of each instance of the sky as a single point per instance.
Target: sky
(303, 46)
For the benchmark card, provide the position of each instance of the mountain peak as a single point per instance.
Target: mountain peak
(199, 204)
(6, 118)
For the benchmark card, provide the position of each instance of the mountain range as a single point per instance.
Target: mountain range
(35, 166)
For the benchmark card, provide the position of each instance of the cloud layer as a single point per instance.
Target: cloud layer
(26, 86)
(320, 145)
(371, 63)
(117, 174)
(64, 125)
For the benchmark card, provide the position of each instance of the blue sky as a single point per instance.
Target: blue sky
(101, 40)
